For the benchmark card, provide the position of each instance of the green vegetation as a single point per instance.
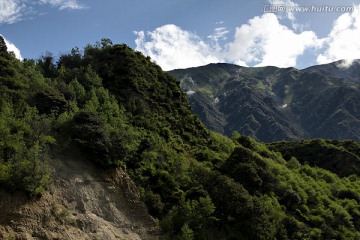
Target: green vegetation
(121, 110)
(344, 160)
(275, 104)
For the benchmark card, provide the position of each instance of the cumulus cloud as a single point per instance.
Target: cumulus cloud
(171, 47)
(264, 41)
(12, 48)
(343, 40)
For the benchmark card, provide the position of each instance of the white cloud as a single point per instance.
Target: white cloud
(290, 15)
(10, 11)
(12, 48)
(346, 63)
(343, 40)
(219, 34)
(171, 47)
(63, 4)
(286, 3)
(264, 41)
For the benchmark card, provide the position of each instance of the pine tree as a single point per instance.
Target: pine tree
(3, 47)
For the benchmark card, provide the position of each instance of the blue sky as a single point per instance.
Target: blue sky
(188, 33)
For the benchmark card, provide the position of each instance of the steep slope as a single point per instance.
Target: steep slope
(339, 69)
(151, 96)
(274, 104)
(120, 112)
(81, 203)
(88, 142)
(345, 160)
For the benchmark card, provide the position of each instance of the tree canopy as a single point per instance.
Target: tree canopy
(119, 109)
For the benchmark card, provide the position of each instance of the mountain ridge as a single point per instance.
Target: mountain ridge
(231, 98)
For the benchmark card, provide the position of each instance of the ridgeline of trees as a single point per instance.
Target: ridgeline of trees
(121, 110)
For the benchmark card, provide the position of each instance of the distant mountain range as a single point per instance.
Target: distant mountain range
(273, 104)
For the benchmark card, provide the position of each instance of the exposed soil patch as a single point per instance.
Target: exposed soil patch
(83, 202)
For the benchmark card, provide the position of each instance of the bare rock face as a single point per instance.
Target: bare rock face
(82, 203)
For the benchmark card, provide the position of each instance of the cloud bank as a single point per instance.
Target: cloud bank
(262, 41)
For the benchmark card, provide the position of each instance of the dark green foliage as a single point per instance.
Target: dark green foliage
(310, 201)
(88, 132)
(339, 157)
(23, 150)
(186, 233)
(121, 110)
(249, 169)
(240, 215)
(72, 60)
(154, 203)
(25, 135)
(152, 97)
(11, 85)
(3, 48)
(49, 101)
(195, 213)
(46, 65)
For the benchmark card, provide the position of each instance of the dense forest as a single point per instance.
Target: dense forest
(120, 110)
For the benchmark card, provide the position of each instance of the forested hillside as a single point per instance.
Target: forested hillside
(120, 111)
